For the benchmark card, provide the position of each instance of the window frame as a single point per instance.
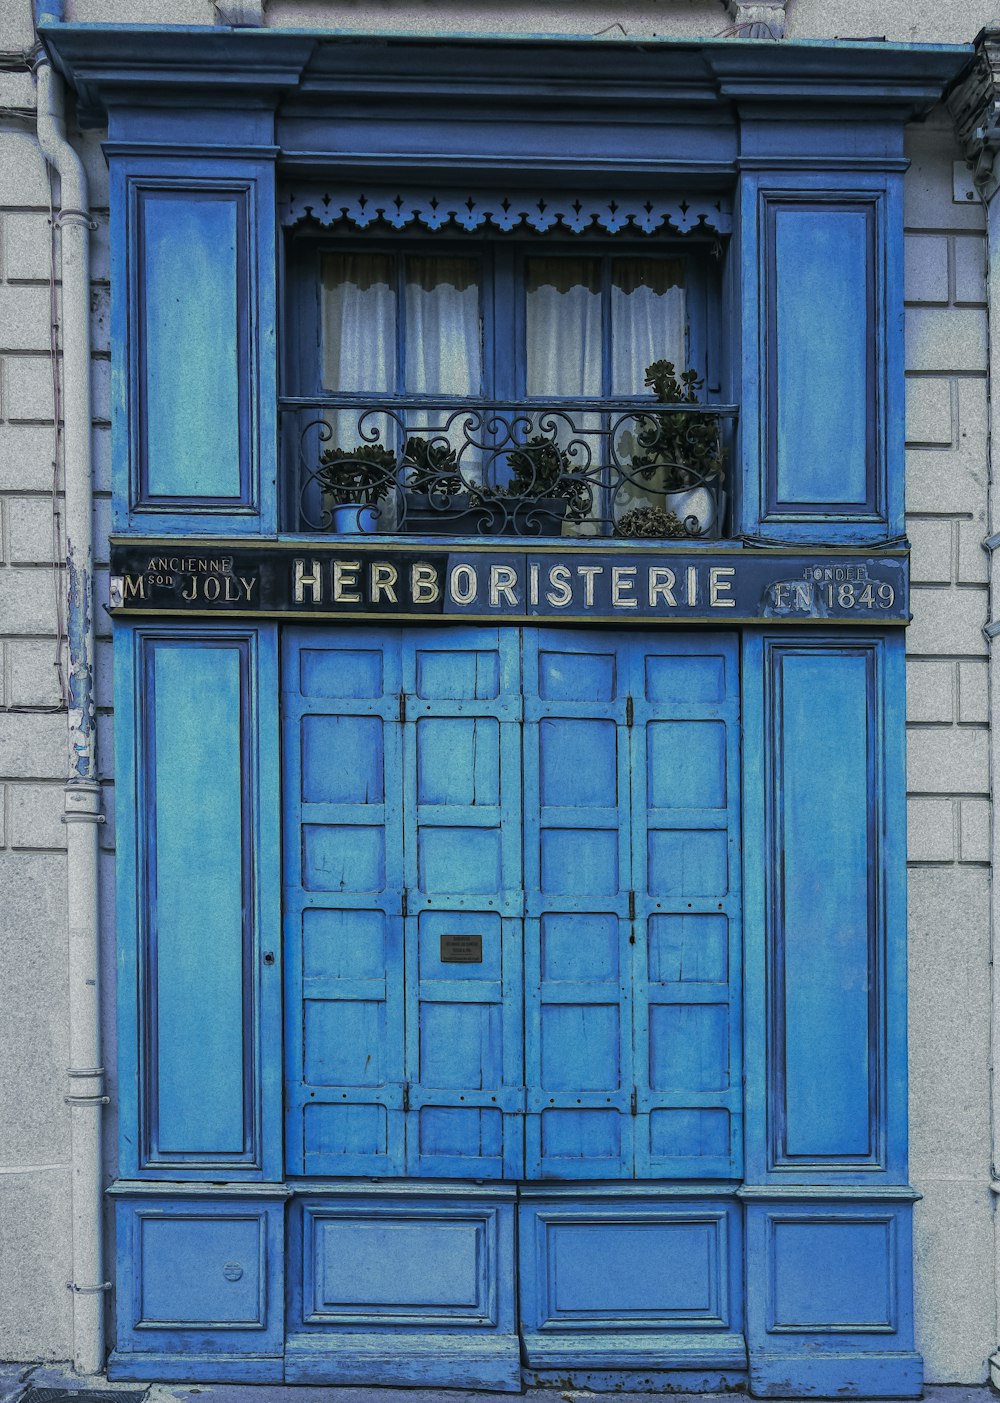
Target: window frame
(503, 260)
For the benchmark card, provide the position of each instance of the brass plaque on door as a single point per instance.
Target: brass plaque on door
(461, 949)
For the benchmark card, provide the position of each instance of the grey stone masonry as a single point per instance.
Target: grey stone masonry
(35, 1225)
(948, 763)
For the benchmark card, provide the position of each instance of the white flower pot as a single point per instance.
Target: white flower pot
(697, 502)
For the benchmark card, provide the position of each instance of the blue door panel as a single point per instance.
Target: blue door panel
(686, 877)
(461, 786)
(578, 1043)
(343, 903)
(581, 845)
(198, 828)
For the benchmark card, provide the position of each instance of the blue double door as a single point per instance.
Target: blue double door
(512, 887)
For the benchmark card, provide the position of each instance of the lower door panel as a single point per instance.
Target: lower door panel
(633, 1283)
(404, 1287)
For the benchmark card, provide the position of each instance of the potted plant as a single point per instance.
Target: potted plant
(680, 452)
(543, 490)
(353, 482)
(437, 499)
(651, 521)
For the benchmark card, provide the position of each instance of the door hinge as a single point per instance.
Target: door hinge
(404, 903)
(629, 711)
(634, 1103)
(402, 707)
(406, 1095)
(631, 905)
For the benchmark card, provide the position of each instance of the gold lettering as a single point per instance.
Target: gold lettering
(212, 588)
(194, 590)
(230, 585)
(502, 581)
(345, 582)
(661, 583)
(301, 581)
(718, 586)
(134, 585)
(621, 580)
(589, 572)
(463, 586)
(424, 585)
(247, 585)
(383, 577)
(561, 592)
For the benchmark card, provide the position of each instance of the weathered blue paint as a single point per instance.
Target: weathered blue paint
(834, 1310)
(193, 344)
(201, 1286)
(198, 779)
(825, 924)
(404, 1286)
(630, 841)
(823, 284)
(821, 428)
(645, 1282)
(826, 934)
(192, 324)
(631, 838)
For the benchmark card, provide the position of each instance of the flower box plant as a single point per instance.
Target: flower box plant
(354, 481)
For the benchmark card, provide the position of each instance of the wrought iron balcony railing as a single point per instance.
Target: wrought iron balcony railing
(581, 468)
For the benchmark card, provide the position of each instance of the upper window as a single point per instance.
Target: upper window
(484, 387)
(552, 326)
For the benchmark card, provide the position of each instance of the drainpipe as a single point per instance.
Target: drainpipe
(82, 793)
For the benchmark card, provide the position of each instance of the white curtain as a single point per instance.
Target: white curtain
(442, 331)
(359, 323)
(563, 326)
(647, 320)
(443, 336)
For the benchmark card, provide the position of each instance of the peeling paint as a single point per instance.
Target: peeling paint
(80, 681)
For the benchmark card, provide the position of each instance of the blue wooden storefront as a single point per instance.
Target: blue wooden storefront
(509, 997)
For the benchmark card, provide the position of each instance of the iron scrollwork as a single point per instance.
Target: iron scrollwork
(524, 469)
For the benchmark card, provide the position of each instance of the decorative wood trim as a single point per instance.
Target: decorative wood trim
(457, 210)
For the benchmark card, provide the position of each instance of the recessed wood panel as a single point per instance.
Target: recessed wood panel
(194, 375)
(823, 350)
(195, 759)
(826, 926)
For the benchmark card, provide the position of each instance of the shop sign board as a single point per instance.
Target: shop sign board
(621, 583)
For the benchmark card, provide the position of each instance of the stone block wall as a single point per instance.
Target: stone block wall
(35, 1223)
(948, 763)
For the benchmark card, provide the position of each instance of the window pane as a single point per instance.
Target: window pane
(647, 319)
(444, 329)
(359, 322)
(563, 325)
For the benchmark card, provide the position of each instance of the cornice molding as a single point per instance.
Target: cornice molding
(121, 65)
(468, 211)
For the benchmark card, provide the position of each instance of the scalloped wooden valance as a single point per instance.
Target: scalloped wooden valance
(461, 210)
